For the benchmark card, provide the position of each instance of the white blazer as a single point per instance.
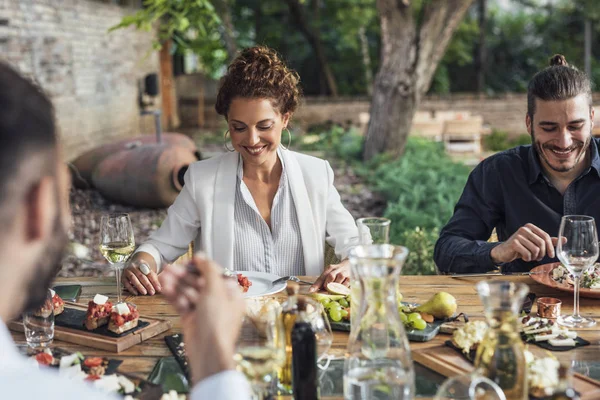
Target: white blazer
(204, 212)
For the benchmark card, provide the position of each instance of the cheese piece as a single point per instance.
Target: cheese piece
(126, 384)
(122, 309)
(542, 338)
(67, 361)
(539, 330)
(52, 292)
(100, 299)
(562, 342)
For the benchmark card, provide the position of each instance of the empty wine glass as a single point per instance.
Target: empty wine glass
(469, 387)
(577, 249)
(320, 326)
(116, 243)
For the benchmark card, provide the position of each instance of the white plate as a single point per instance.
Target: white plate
(262, 283)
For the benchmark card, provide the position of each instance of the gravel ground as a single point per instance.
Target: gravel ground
(89, 205)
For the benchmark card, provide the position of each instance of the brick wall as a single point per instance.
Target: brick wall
(90, 74)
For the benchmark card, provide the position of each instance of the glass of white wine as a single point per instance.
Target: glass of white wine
(116, 243)
(260, 348)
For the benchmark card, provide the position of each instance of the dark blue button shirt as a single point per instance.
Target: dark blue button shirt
(507, 191)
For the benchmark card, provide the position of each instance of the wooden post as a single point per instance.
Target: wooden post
(167, 88)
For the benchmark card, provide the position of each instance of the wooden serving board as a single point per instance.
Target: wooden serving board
(104, 342)
(449, 362)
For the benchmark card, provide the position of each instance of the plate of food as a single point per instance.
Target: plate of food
(99, 372)
(256, 284)
(555, 275)
(421, 322)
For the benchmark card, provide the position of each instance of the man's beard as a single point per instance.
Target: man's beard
(577, 144)
(48, 267)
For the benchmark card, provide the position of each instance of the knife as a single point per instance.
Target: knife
(496, 274)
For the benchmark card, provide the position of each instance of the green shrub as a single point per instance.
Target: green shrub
(421, 188)
(521, 140)
(496, 141)
(499, 141)
(420, 242)
(335, 141)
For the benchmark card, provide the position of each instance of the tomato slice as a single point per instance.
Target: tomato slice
(92, 378)
(44, 358)
(91, 362)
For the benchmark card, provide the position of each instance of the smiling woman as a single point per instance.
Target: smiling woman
(260, 207)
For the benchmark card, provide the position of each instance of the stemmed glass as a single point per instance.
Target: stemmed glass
(577, 249)
(261, 347)
(116, 243)
(320, 325)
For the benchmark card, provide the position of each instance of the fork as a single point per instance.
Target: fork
(290, 278)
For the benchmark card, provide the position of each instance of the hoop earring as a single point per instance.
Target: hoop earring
(289, 140)
(225, 142)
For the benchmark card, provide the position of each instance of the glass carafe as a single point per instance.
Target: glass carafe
(500, 356)
(378, 364)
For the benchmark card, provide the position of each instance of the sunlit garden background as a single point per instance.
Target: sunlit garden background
(402, 113)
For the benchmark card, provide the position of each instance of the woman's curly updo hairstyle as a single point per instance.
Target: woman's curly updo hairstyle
(259, 73)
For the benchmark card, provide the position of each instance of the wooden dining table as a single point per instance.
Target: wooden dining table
(141, 359)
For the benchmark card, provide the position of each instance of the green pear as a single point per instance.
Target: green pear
(441, 305)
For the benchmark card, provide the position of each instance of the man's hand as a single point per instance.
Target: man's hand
(141, 279)
(529, 243)
(339, 273)
(212, 311)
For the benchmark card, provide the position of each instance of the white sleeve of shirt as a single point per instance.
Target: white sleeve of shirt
(227, 385)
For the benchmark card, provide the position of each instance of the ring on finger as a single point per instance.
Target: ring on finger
(144, 268)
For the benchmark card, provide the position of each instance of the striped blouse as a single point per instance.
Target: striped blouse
(257, 248)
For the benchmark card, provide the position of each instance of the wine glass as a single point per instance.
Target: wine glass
(261, 347)
(577, 249)
(116, 243)
(320, 325)
(469, 387)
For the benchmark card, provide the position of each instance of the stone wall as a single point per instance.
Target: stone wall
(90, 74)
(503, 112)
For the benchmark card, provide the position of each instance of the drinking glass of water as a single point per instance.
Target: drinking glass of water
(39, 324)
(373, 230)
(577, 249)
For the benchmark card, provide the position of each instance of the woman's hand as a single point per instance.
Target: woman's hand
(139, 275)
(339, 273)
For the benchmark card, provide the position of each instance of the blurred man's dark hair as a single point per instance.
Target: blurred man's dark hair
(28, 143)
(559, 81)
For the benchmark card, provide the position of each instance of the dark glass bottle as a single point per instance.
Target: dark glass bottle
(304, 357)
(564, 391)
(290, 313)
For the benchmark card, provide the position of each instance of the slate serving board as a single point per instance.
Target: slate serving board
(414, 335)
(74, 319)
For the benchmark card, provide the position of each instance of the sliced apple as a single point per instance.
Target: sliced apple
(338, 288)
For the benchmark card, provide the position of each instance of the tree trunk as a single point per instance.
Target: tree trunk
(481, 54)
(299, 18)
(411, 49)
(366, 57)
(223, 8)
